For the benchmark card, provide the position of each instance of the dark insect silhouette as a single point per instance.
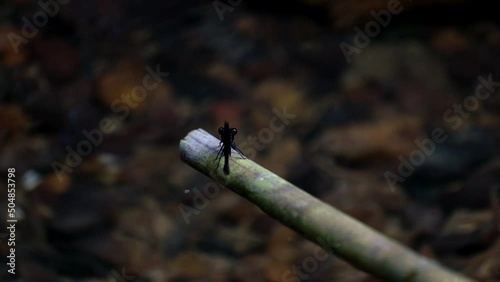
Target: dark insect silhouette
(226, 143)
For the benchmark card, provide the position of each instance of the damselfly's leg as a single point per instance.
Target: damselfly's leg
(233, 145)
(219, 154)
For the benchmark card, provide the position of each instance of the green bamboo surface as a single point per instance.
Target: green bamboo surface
(333, 230)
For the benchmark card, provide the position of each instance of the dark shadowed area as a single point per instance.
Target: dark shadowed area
(388, 110)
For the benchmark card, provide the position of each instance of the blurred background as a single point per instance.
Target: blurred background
(387, 110)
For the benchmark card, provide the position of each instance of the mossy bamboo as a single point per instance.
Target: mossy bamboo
(335, 231)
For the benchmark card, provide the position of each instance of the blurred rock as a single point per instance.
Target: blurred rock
(147, 223)
(14, 123)
(456, 158)
(231, 112)
(118, 83)
(449, 40)
(280, 245)
(347, 197)
(279, 94)
(475, 192)
(56, 184)
(86, 207)
(424, 218)
(371, 143)
(59, 58)
(486, 265)
(225, 74)
(191, 265)
(252, 268)
(466, 233)
(284, 153)
(10, 55)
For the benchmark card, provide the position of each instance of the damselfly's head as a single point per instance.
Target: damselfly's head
(226, 129)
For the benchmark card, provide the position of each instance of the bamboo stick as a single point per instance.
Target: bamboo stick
(335, 231)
